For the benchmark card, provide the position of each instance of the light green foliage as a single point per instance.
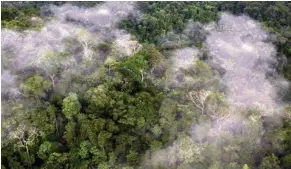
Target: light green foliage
(52, 61)
(202, 70)
(98, 155)
(155, 145)
(45, 119)
(123, 141)
(156, 130)
(133, 67)
(154, 57)
(140, 122)
(167, 112)
(70, 132)
(97, 97)
(103, 165)
(217, 105)
(84, 149)
(89, 128)
(110, 62)
(188, 151)
(35, 86)
(46, 149)
(245, 166)
(71, 105)
(146, 106)
(19, 19)
(24, 137)
(132, 157)
(215, 165)
(270, 162)
(111, 126)
(57, 160)
(200, 74)
(103, 138)
(286, 161)
(112, 158)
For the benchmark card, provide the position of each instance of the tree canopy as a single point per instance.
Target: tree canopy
(86, 105)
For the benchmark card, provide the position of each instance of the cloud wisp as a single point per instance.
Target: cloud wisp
(239, 45)
(88, 26)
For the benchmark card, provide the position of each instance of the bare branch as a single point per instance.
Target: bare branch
(199, 98)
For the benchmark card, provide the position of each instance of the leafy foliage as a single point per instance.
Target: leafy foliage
(110, 114)
(12, 18)
(36, 86)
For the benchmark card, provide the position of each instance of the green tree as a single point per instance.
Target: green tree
(132, 157)
(98, 98)
(70, 132)
(46, 149)
(286, 161)
(71, 105)
(270, 162)
(46, 120)
(36, 86)
(98, 155)
(133, 67)
(103, 138)
(84, 149)
(103, 165)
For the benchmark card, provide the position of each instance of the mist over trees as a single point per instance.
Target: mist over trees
(176, 85)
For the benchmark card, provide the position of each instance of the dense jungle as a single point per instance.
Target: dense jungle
(145, 85)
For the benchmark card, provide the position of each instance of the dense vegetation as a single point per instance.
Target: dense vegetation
(116, 113)
(20, 19)
(161, 17)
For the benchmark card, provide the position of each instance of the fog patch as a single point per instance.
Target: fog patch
(192, 35)
(179, 61)
(8, 84)
(239, 45)
(241, 53)
(77, 30)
